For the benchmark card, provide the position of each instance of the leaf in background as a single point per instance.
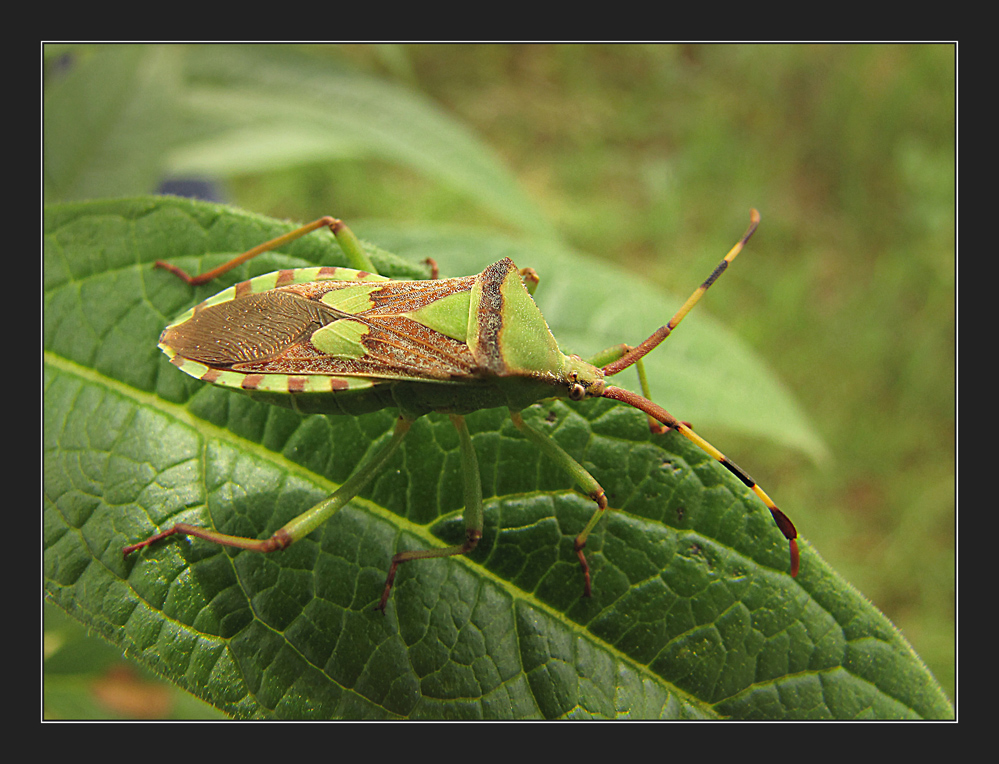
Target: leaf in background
(109, 119)
(277, 107)
(121, 117)
(693, 614)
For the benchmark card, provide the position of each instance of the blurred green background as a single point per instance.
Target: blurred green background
(649, 156)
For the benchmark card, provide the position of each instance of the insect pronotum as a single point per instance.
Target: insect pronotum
(349, 341)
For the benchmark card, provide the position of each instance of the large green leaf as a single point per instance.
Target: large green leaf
(693, 613)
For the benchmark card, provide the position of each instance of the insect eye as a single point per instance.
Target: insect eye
(577, 392)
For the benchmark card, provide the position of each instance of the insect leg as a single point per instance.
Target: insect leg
(584, 480)
(306, 522)
(349, 243)
(473, 513)
(531, 279)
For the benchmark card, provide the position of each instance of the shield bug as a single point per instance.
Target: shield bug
(347, 341)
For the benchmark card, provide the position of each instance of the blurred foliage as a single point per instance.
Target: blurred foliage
(645, 155)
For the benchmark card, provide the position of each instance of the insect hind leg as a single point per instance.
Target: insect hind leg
(349, 243)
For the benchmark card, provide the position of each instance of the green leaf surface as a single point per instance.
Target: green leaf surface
(693, 613)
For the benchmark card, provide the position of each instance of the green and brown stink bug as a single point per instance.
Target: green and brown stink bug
(348, 341)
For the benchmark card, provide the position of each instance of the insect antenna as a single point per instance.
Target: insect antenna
(662, 415)
(636, 353)
(633, 356)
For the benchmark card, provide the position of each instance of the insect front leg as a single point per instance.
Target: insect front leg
(473, 512)
(349, 243)
(584, 480)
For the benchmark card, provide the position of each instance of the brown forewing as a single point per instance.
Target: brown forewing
(395, 346)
